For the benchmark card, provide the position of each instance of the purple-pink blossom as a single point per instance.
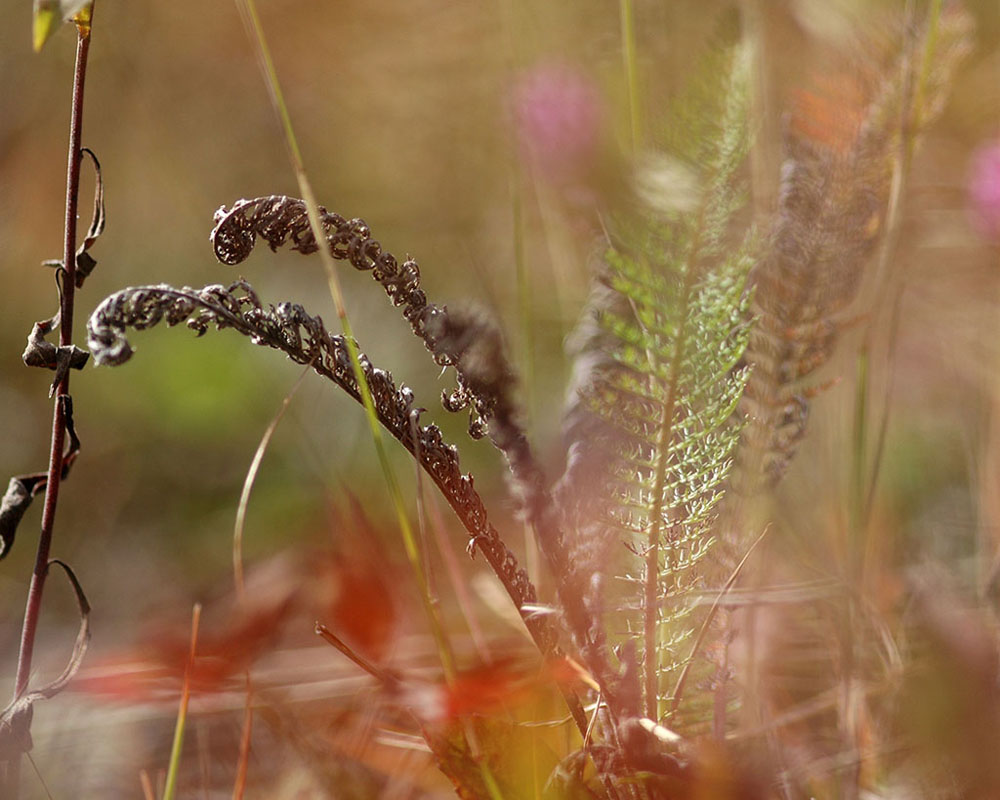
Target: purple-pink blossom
(558, 113)
(984, 190)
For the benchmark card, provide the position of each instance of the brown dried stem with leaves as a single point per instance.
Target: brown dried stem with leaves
(70, 273)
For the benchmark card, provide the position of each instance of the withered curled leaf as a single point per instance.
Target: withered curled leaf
(20, 492)
(22, 488)
(41, 353)
(85, 262)
(15, 720)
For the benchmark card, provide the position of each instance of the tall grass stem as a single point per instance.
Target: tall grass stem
(631, 68)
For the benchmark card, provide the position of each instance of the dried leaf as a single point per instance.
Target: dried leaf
(22, 488)
(40, 353)
(491, 688)
(15, 720)
(85, 262)
(20, 492)
(233, 634)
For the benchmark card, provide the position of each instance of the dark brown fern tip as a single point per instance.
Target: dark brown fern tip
(467, 340)
(826, 228)
(305, 340)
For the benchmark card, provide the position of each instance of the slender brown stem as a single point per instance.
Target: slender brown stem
(34, 603)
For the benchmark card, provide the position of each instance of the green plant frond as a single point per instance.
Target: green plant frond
(694, 462)
(672, 325)
(707, 124)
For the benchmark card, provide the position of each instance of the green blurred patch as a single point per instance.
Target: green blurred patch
(210, 389)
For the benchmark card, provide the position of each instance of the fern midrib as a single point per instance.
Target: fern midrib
(650, 626)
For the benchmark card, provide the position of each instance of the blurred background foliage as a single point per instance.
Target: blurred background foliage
(404, 111)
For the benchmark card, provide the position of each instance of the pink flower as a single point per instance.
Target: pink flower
(558, 114)
(984, 190)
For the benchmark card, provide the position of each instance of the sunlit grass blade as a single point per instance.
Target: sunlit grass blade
(630, 66)
(462, 594)
(251, 477)
(175, 751)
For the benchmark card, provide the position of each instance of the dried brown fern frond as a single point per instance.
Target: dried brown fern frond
(843, 142)
(463, 339)
(305, 340)
(467, 341)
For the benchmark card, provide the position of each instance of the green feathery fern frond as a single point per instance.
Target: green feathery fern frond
(673, 325)
(675, 397)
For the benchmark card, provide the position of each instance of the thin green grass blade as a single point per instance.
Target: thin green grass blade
(248, 483)
(170, 789)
